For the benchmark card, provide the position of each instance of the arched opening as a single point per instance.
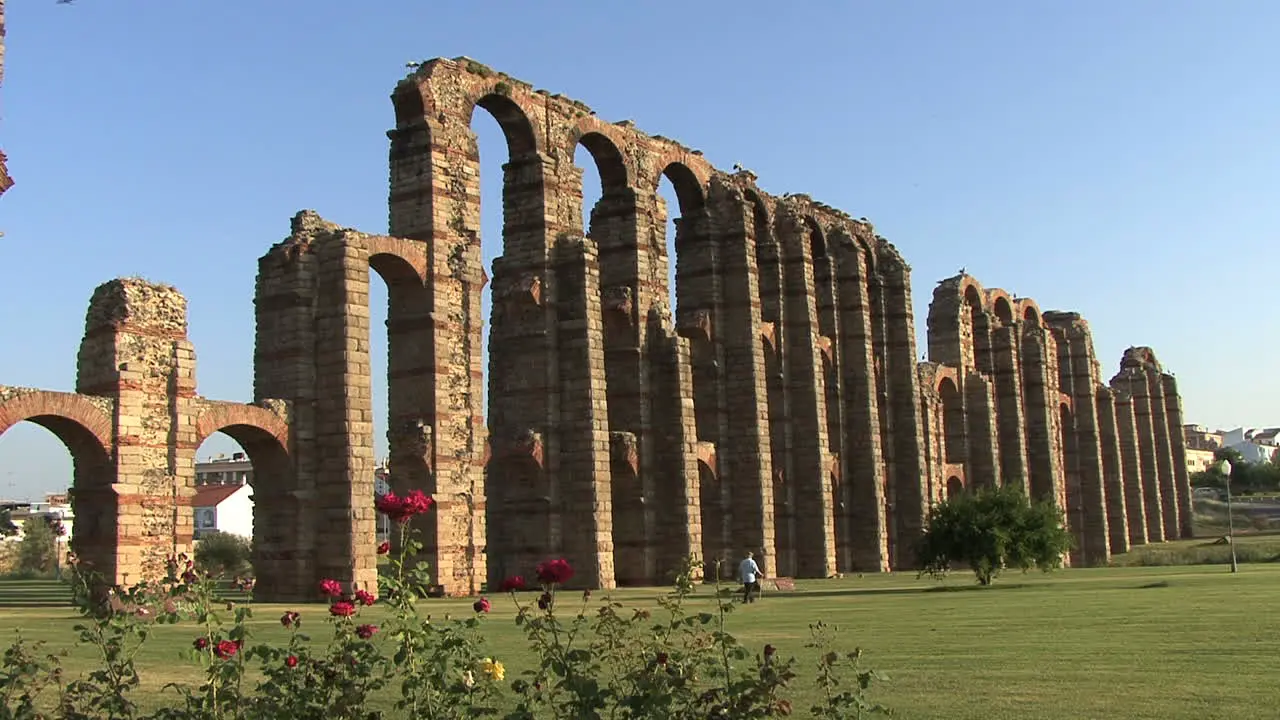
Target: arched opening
(52, 466)
(954, 487)
(1031, 316)
(695, 300)
(505, 286)
(244, 488)
(1003, 310)
(953, 435)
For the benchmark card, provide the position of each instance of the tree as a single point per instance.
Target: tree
(223, 554)
(7, 528)
(37, 551)
(991, 530)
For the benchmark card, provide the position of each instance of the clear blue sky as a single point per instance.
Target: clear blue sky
(1120, 159)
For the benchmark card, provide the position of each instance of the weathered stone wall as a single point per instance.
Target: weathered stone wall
(1014, 395)
(132, 428)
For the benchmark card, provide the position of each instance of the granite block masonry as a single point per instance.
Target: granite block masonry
(781, 408)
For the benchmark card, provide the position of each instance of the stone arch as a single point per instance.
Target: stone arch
(952, 420)
(606, 150)
(690, 189)
(277, 512)
(1028, 310)
(1001, 306)
(85, 428)
(817, 238)
(82, 426)
(512, 117)
(396, 264)
(955, 486)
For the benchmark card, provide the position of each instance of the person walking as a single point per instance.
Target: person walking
(750, 574)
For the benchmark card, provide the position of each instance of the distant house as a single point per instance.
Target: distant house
(1255, 445)
(223, 509)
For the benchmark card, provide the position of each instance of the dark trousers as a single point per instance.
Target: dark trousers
(747, 589)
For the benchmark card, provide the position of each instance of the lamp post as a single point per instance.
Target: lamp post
(1224, 467)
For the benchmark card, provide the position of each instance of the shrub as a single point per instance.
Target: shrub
(592, 662)
(991, 530)
(224, 554)
(38, 549)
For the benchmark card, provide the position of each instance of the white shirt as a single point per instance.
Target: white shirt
(748, 570)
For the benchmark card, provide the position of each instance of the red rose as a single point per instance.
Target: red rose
(365, 597)
(544, 602)
(662, 658)
(512, 584)
(364, 632)
(291, 661)
(769, 650)
(482, 605)
(201, 643)
(384, 548)
(401, 509)
(555, 572)
(342, 608)
(290, 619)
(226, 649)
(332, 588)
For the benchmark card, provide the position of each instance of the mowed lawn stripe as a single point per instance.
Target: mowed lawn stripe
(1168, 642)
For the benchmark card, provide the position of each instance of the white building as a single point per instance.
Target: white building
(1255, 445)
(223, 509)
(54, 507)
(223, 470)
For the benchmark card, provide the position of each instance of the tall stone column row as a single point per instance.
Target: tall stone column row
(1025, 388)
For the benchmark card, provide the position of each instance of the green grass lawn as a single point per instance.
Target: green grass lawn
(1165, 642)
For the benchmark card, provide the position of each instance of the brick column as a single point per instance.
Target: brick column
(907, 500)
(746, 452)
(811, 483)
(1178, 443)
(1043, 460)
(1010, 411)
(1131, 467)
(676, 477)
(140, 329)
(1163, 454)
(1075, 359)
(1113, 472)
(983, 452)
(861, 451)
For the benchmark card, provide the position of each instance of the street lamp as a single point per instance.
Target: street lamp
(1224, 467)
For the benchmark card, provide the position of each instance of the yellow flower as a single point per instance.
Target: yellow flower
(493, 669)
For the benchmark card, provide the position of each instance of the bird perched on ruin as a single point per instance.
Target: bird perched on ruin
(962, 271)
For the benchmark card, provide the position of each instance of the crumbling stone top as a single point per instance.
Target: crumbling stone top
(1140, 357)
(139, 304)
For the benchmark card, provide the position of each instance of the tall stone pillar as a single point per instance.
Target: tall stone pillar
(1039, 388)
(861, 451)
(746, 451)
(1076, 370)
(1178, 444)
(1010, 408)
(1113, 471)
(136, 352)
(1131, 470)
(811, 484)
(983, 456)
(1164, 454)
(1133, 380)
(907, 501)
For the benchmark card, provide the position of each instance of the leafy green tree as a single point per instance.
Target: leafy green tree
(991, 530)
(224, 554)
(37, 551)
(7, 528)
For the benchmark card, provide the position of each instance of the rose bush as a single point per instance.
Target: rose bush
(591, 661)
